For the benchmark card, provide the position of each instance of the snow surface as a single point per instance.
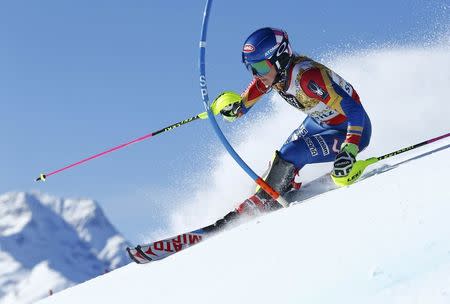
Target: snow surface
(385, 239)
(48, 244)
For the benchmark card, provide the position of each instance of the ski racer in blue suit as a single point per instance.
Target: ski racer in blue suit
(336, 127)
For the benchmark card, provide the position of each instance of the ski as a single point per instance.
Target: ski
(143, 254)
(154, 251)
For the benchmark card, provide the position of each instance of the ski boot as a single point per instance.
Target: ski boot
(280, 177)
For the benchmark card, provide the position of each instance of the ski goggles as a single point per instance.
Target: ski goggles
(259, 68)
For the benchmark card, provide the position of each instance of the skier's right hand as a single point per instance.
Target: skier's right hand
(229, 104)
(232, 112)
(345, 160)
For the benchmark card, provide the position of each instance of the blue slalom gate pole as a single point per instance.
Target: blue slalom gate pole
(204, 92)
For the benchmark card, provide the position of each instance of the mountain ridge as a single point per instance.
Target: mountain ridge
(43, 236)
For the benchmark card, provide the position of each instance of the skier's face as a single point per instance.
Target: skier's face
(268, 78)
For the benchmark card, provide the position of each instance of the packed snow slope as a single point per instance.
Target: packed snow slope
(48, 244)
(385, 239)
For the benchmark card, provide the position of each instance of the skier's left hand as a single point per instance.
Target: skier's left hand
(345, 159)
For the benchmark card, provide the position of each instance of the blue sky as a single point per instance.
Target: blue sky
(78, 77)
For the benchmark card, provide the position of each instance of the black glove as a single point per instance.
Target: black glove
(232, 112)
(345, 160)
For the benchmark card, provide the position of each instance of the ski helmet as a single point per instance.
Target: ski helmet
(267, 44)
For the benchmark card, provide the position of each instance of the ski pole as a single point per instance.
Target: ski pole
(215, 109)
(361, 165)
(204, 115)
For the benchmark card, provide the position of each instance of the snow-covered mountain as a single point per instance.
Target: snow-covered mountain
(48, 244)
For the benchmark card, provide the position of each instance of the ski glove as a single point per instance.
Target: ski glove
(232, 111)
(345, 159)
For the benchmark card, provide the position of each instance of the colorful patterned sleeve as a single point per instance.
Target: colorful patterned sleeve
(317, 83)
(255, 90)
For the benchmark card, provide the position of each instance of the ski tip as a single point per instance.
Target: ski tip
(41, 177)
(131, 255)
(138, 256)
